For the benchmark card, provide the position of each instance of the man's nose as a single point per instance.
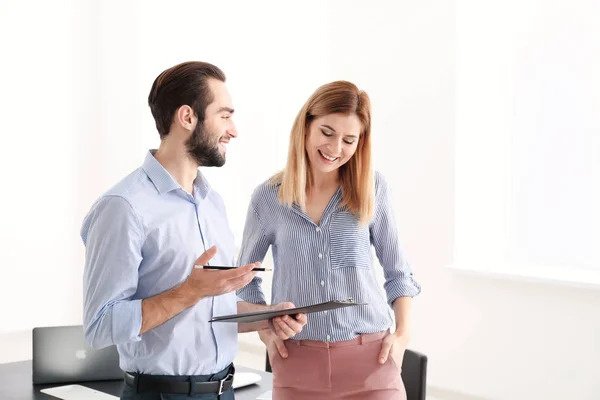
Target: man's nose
(232, 131)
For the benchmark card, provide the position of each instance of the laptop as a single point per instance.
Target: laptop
(61, 355)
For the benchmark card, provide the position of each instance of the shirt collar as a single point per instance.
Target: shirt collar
(201, 186)
(164, 182)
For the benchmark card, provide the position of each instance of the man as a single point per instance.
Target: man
(143, 237)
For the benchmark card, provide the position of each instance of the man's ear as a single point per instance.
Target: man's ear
(185, 117)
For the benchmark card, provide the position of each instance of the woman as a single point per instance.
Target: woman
(321, 215)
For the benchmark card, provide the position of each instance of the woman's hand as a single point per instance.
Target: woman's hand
(393, 345)
(273, 342)
(287, 326)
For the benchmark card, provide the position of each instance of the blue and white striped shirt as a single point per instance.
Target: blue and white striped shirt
(329, 261)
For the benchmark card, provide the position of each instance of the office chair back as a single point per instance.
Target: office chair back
(414, 374)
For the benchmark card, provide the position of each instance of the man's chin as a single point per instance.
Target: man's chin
(216, 163)
(222, 158)
(216, 159)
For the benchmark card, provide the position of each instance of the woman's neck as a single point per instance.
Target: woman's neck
(323, 181)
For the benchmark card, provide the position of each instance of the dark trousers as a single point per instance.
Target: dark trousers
(129, 393)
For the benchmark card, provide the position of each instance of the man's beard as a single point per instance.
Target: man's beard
(201, 148)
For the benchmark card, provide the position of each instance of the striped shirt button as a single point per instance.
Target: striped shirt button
(320, 255)
(318, 229)
(322, 283)
(328, 338)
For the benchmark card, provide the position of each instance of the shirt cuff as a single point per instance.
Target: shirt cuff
(404, 288)
(127, 321)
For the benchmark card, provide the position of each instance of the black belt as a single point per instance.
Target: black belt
(150, 383)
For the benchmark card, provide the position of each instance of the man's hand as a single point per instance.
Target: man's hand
(287, 326)
(205, 283)
(393, 345)
(201, 283)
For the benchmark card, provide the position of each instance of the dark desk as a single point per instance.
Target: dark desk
(15, 384)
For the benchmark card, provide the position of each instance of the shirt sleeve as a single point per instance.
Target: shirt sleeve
(399, 280)
(113, 237)
(255, 245)
(238, 298)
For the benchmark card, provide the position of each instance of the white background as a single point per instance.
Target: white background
(74, 80)
(528, 139)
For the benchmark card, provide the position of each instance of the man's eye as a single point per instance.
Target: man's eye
(226, 117)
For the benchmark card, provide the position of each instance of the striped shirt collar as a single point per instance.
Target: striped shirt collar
(332, 206)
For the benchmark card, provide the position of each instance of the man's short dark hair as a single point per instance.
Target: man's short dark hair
(183, 84)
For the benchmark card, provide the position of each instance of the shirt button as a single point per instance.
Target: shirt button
(320, 255)
(328, 338)
(326, 311)
(318, 229)
(322, 283)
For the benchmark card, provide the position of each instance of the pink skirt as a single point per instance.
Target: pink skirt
(347, 370)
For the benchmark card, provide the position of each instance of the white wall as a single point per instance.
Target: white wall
(485, 337)
(76, 119)
(39, 169)
(527, 99)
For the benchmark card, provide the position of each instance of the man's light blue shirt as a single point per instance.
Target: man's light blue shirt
(142, 238)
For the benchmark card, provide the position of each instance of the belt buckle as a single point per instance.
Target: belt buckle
(136, 381)
(222, 383)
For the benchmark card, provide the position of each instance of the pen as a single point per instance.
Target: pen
(219, 267)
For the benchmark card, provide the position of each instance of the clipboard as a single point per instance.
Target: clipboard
(262, 315)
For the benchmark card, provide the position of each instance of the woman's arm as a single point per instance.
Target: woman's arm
(396, 342)
(255, 245)
(400, 285)
(399, 281)
(401, 308)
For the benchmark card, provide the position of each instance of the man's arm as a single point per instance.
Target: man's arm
(113, 236)
(159, 309)
(201, 283)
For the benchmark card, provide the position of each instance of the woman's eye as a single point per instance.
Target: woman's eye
(326, 134)
(349, 141)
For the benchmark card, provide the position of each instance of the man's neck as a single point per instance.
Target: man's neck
(179, 165)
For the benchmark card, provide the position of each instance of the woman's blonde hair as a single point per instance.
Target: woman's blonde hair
(339, 97)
